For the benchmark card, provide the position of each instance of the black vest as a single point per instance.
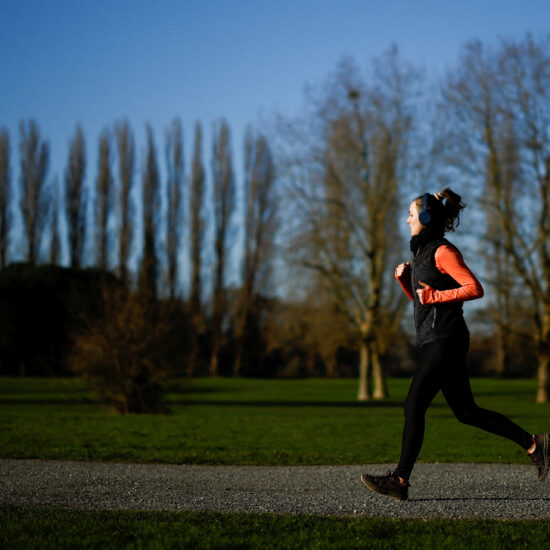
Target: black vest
(434, 322)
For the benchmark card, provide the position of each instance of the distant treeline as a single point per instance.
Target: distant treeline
(327, 207)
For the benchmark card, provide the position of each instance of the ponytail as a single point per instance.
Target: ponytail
(444, 207)
(452, 206)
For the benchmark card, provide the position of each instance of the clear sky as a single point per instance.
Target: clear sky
(96, 61)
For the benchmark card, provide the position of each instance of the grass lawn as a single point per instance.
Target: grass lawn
(35, 528)
(244, 421)
(234, 421)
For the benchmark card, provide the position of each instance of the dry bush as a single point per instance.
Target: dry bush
(122, 353)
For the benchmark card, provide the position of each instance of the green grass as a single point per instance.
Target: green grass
(244, 421)
(43, 528)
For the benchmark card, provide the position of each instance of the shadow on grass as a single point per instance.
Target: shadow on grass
(178, 389)
(45, 401)
(43, 391)
(333, 404)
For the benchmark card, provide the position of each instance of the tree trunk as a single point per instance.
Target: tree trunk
(238, 362)
(501, 357)
(213, 369)
(331, 363)
(543, 379)
(544, 360)
(365, 372)
(380, 387)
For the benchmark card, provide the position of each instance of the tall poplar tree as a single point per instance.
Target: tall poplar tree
(224, 204)
(55, 239)
(126, 162)
(34, 157)
(147, 283)
(260, 206)
(197, 241)
(104, 200)
(75, 198)
(174, 196)
(5, 195)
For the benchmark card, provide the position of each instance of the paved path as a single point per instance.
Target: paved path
(438, 490)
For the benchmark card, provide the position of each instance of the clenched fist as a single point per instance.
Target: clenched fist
(402, 269)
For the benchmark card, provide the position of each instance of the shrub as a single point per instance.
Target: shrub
(122, 353)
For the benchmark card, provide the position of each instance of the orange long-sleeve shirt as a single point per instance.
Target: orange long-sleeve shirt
(447, 260)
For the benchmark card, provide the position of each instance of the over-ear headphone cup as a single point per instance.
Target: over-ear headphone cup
(425, 217)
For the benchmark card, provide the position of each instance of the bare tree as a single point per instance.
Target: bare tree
(526, 69)
(260, 229)
(197, 241)
(5, 195)
(104, 204)
(147, 283)
(55, 238)
(499, 100)
(34, 156)
(345, 192)
(174, 193)
(75, 198)
(224, 205)
(126, 160)
(502, 185)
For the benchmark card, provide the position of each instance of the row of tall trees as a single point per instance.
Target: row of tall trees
(187, 203)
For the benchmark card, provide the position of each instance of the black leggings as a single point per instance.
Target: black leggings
(443, 367)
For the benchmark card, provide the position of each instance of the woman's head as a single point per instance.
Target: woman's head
(444, 208)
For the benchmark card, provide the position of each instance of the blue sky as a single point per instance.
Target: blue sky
(94, 62)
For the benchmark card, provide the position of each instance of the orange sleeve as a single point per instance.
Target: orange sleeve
(405, 282)
(449, 260)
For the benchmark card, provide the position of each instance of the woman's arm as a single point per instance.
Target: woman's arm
(403, 276)
(449, 260)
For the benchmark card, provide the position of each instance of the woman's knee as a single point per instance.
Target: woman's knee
(414, 408)
(467, 415)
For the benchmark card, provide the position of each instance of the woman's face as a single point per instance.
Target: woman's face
(414, 223)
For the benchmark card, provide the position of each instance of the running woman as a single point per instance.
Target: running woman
(438, 282)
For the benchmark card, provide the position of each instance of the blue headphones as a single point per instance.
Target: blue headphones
(424, 216)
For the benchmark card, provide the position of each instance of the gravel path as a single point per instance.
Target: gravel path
(495, 491)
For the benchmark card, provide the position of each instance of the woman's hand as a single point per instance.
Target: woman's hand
(421, 290)
(402, 269)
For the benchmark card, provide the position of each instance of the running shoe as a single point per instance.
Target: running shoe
(541, 455)
(389, 485)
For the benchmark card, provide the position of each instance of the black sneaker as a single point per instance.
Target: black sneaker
(387, 485)
(541, 455)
